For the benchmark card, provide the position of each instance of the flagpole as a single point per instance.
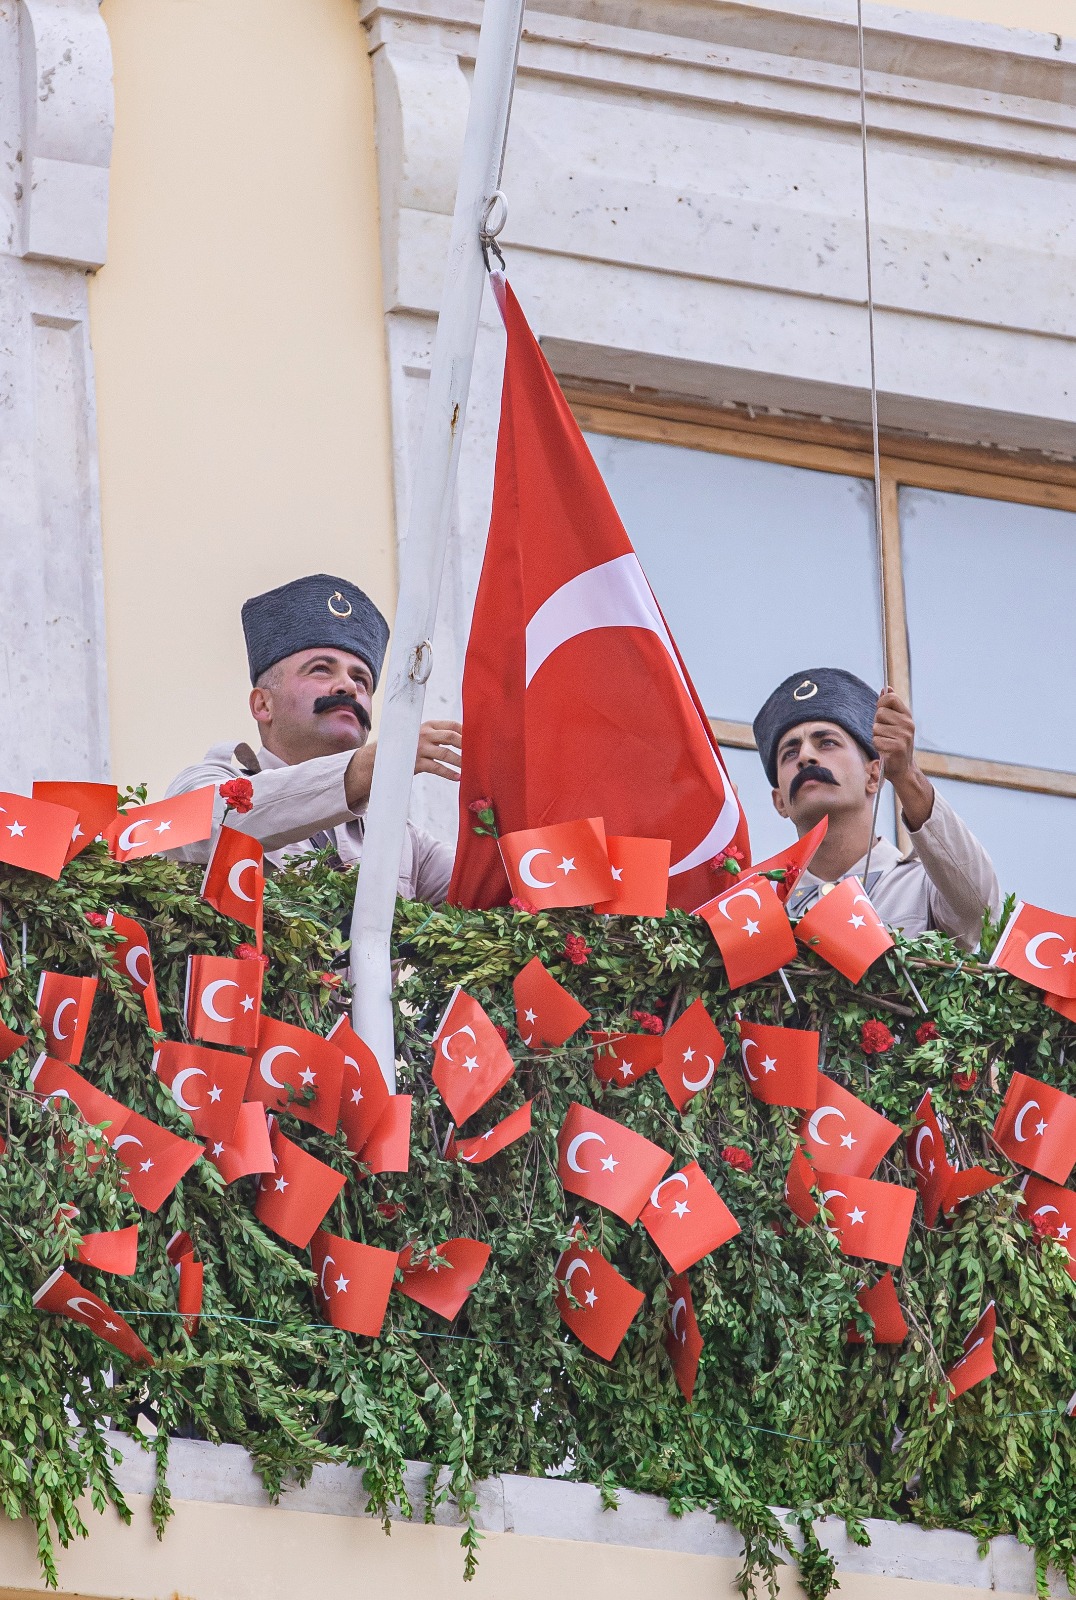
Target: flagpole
(427, 528)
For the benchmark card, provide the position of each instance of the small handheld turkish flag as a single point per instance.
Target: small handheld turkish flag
(191, 1287)
(10, 1041)
(799, 1182)
(115, 1251)
(977, 1362)
(471, 1060)
(209, 1085)
(223, 1000)
(845, 930)
(364, 1094)
(605, 1162)
(683, 1341)
(64, 1296)
(249, 1150)
(1051, 1210)
(1038, 946)
(64, 1005)
(640, 869)
(1036, 1127)
(565, 864)
(966, 1182)
(354, 1282)
(34, 834)
(791, 862)
(690, 1053)
(163, 825)
(869, 1219)
(294, 1198)
(235, 878)
(130, 949)
(780, 1064)
(880, 1302)
(474, 1151)
(388, 1147)
(546, 1014)
(595, 1302)
(752, 931)
(94, 804)
(624, 1058)
(297, 1071)
(927, 1157)
(855, 1141)
(442, 1279)
(155, 1159)
(55, 1080)
(687, 1218)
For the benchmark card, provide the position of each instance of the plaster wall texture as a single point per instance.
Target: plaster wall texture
(1046, 16)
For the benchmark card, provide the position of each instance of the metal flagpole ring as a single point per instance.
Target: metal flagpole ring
(421, 663)
(494, 216)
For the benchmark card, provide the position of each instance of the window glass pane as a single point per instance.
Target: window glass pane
(1029, 837)
(990, 589)
(761, 570)
(769, 832)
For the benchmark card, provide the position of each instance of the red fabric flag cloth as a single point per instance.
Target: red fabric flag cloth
(799, 1182)
(388, 1147)
(690, 1052)
(223, 1000)
(56, 1080)
(605, 1303)
(442, 1280)
(35, 834)
(364, 1094)
(546, 1014)
(294, 1198)
(683, 1341)
(249, 1149)
(353, 1282)
(234, 879)
(1051, 1210)
(155, 1159)
(10, 1041)
(879, 1301)
(845, 930)
(298, 1071)
(977, 1362)
(471, 1060)
(607, 1163)
(780, 1064)
(855, 1142)
(115, 1251)
(1038, 946)
(191, 1286)
(687, 1218)
(565, 617)
(209, 1085)
(624, 1058)
(1036, 1127)
(640, 869)
(163, 825)
(966, 1182)
(928, 1159)
(64, 1296)
(479, 1149)
(64, 1005)
(566, 864)
(869, 1219)
(792, 862)
(95, 806)
(130, 947)
(1057, 1002)
(752, 931)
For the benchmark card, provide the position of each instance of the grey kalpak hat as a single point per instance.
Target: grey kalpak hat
(315, 613)
(825, 694)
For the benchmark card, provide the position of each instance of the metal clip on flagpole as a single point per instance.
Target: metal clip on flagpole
(427, 528)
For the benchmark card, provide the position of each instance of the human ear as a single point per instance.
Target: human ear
(779, 803)
(261, 703)
(874, 776)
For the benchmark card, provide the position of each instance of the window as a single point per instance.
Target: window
(758, 538)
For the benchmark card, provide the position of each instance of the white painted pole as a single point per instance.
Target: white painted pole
(427, 529)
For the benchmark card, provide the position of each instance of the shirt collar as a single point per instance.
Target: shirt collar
(884, 856)
(266, 758)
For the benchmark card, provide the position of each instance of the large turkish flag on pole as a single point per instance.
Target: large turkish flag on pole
(575, 700)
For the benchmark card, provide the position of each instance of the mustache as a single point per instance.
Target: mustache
(817, 774)
(336, 702)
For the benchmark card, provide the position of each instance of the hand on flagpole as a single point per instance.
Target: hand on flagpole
(894, 740)
(440, 746)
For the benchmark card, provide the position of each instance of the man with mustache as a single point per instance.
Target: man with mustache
(823, 736)
(315, 649)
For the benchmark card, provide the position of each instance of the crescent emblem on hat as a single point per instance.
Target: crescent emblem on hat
(805, 690)
(338, 605)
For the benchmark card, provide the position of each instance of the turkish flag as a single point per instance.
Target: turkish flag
(95, 806)
(752, 931)
(563, 865)
(294, 1198)
(189, 1299)
(442, 1279)
(605, 1162)
(799, 1182)
(546, 1014)
(479, 1149)
(209, 1085)
(223, 1001)
(605, 1304)
(683, 1341)
(869, 1219)
(1052, 1210)
(364, 1094)
(10, 1041)
(388, 1148)
(855, 1142)
(927, 1157)
(130, 947)
(471, 1060)
(1036, 1127)
(115, 1251)
(64, 1005)
(1066, 1008)
(55, 1080)
(297, 1071)
(353, 1282)
(793, 861)
(1038, 946)
(687, 1218)
(35, 834)
(64, 1296)
(879, 1301)
(249, 1149)
(780, 1064)
(163, 825)
(966, 1182)
(640, 869)
(845, 930)
(155, 1159)
(566, 621)
(624, 1058)
(235, 878)
(690, 1052)
(977, 1362)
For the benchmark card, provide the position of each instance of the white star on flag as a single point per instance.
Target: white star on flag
(769, 1064)
(281, 1185)
(162, 827)
(247, 1003)
(356, 1097)
(16, 829)
(1069, 957)
(626, 1069)
(1063, 1231)
(145, 1166)
(750, 928)
(341, 1284)
(1040, 1128)
(848, 1140)
(215, 1092)
(567, 864)
(218, 1149)
(530, 1016)
(470, 1062)
(307, 1076)
(681, 1208)
(858, 922)
(856, 1215)
(689, 1053)
(591, 1297)
(609, 1163)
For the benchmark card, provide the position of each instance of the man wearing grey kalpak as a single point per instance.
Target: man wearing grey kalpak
(822, 736)
(315, 649)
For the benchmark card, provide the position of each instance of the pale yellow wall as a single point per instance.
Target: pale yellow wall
(1047, 16)
(239, 343)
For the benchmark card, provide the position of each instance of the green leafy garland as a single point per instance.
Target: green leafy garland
(785, 1412)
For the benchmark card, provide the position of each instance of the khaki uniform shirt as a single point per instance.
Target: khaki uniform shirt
(291, 804)
(946, 880)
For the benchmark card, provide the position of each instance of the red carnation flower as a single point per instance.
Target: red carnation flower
(478, 806)
(96, 919)
(247, 952)
(1043, 1229)
(729, 861)
(525, 906)
(238, 794)
(502, 1033)
(925, 1032)
(875, 1038)
(389, 1209)
(331, 980)
(965, 1079)
(648, 1022)
(737, 1157)
(576, 949)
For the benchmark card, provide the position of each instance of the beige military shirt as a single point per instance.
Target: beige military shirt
(292, 804)
(946, 880)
